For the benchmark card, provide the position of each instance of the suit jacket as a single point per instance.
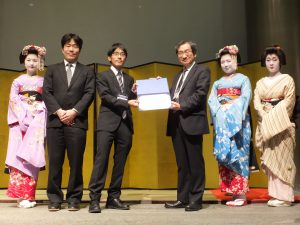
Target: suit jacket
(78, 95)
(111, 109)
(192, 100)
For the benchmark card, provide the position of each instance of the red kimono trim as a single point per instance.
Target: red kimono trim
(21, 185)
(232, 182)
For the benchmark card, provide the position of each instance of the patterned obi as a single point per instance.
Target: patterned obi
(35, 95)
(272, 101)
(231, 93)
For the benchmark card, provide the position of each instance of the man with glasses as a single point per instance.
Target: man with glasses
(117, 91)
(187, 122)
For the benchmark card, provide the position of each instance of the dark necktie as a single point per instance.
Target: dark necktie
(69, 73)
(120, 80)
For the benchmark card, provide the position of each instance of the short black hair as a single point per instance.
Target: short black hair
(274, 49)
(192, 44)
(114, 47)
(225, 52)
(68, 37)
(31, 50)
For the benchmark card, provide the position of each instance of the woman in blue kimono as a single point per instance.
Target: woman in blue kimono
(229, 101)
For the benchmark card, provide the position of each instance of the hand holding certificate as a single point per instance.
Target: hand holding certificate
(153, 94)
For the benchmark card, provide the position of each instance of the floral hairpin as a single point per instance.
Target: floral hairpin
(41, 50)
(232, 49)
(277, 47)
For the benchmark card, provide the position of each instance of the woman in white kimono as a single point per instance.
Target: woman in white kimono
(274, 100)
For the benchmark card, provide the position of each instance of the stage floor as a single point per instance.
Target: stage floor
(147, 208)
(214, 196)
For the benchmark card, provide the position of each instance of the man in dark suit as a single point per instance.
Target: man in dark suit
(118, 93)
(68, 91)
(187, 122)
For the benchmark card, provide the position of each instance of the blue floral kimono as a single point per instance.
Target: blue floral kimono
(228, 101)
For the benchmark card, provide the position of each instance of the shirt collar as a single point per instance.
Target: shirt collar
(73, 63)
(190, 67)
(115, 71)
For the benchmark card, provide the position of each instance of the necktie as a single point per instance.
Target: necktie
(179, 86)
(69, 73)
(120, 80)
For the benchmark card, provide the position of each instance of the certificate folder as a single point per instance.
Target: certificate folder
(153, 94)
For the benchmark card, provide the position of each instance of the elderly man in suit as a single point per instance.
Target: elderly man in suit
(68, 91)
(118, 93)
(187, 122)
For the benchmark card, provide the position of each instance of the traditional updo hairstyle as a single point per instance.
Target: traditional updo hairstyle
(31, 50)
(40, 52)
(275, 49)
(231, 50)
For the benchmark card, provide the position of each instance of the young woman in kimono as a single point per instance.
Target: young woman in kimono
(26, 121)
(274, 100)
(229, 101)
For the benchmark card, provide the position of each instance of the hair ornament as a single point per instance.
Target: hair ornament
(41, 54)
(232, 49)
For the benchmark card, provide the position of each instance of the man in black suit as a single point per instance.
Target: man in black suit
(187, 122)
(68, 91)
(118, 93)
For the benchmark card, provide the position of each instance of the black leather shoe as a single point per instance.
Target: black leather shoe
(115, 203)
(175, 205)
(72, 206)
(193, 207)
(53, 207)
(94, 207)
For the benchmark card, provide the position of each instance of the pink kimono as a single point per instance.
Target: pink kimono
(26, 145)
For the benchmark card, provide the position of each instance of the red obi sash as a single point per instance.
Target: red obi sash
(36, 93)
(272, 99)
(229, 91)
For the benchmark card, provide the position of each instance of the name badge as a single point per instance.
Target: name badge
(122, 97)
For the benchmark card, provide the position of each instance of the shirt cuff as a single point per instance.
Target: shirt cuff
(55, 113)
(75, 110)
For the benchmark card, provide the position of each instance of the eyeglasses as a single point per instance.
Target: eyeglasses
(122, 54)
(181, 53)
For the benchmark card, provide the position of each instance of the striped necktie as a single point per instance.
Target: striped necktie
(120, 80)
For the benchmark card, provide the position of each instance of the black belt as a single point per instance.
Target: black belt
(37, 95)
(273, 103)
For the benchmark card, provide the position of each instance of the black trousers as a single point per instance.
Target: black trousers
(190, 164)
(122, 139)
(60, 140)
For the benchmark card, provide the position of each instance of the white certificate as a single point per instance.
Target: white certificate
(153, 94)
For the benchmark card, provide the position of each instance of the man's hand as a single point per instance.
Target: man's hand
(67, 116)
(155, 78)
(60, 113)
(133, 103)
(175, 106)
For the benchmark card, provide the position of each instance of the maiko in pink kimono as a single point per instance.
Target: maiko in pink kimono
(27, 122)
